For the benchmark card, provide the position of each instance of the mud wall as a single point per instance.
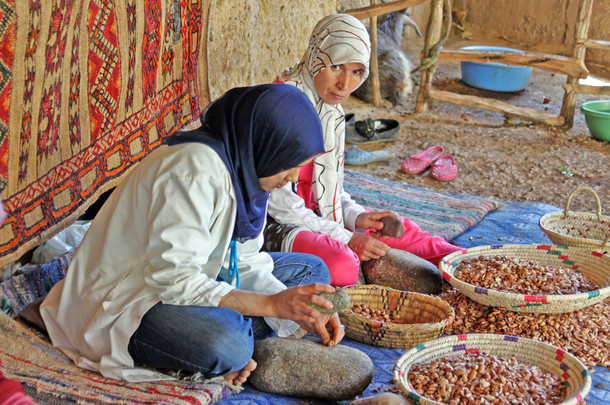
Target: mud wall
(251, 41)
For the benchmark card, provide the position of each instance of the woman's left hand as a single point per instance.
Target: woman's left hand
(328, 327)
(293, 305)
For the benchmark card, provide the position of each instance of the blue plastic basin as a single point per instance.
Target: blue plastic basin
(495, 76)
(597, 116)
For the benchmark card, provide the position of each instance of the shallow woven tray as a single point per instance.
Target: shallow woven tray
(433, 315)
(581, 229)
(594, 265)
(548, 358)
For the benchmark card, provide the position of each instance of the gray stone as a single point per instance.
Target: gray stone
(340, 301)
(403, 271)
(305, 368)
(392, 226)
(387, 398)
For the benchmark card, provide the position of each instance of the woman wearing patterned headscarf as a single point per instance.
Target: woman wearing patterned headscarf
(321, 218)
(170, 277)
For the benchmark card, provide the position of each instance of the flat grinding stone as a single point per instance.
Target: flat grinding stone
(305, 368)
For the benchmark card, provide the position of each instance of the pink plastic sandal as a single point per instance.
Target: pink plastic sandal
(444, 168)
(419, 163)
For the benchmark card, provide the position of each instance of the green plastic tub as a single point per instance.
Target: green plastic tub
(597, 116)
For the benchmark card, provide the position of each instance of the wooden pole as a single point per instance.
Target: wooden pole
(568, 106)
(551, 63)
(597, 43)
(374, 67)
(586, 89)
(432, 36)
(383, 8)
(509, 110)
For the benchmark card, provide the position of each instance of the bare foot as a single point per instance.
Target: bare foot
(240, 377)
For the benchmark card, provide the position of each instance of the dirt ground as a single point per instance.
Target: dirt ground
(498, 158)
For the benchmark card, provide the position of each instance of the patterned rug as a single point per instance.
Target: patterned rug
(51, 378)
(444, 215)
(31, 282)
(88, 88)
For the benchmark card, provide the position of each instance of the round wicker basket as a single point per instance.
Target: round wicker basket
(581, 229)
(427, 317)
(594, 265)
(548, 358)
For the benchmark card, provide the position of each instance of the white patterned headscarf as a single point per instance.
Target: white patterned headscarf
(336, 39)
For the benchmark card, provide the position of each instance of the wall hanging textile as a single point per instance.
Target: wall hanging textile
(87, 89)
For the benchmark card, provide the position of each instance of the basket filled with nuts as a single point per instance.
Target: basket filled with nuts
(383, 316)
(536, 278)
(582, 229)
(483, 368)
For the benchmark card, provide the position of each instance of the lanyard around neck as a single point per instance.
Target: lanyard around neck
(233, 270)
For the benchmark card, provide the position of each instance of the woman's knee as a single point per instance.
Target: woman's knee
(210, 340)
(343, 264)
(231, 343)
(344, 268)
(319, 270)
(294, 269)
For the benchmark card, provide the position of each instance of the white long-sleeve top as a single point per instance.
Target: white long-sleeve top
(286, 207)
(162, 236)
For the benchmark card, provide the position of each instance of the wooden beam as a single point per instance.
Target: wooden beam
(568, 105)
(524, 113)
(587, 89)
(383, 8)
(431, 37)
(596, 43)
(552, 63)
(374, 65)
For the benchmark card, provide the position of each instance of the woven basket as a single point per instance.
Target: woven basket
(581, 229)
(573, 374)
(594, 265)
(428, 317)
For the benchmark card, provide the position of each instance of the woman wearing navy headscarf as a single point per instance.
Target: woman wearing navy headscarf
(170, 275)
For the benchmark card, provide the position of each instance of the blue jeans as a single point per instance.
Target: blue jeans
(211, 340)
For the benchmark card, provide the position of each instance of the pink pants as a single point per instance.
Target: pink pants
(12, 393)
(344, 264)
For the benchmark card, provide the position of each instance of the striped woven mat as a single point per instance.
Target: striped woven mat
(441, 214)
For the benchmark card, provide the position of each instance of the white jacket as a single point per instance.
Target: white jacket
(162, 236)
(286, 207)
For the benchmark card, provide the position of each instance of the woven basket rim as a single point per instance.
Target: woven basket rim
(375, 287)
(567, 240)
(396, 335)
(548, 220)
(492, 295)
(448, 345)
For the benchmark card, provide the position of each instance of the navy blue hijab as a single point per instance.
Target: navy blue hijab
(257, 131)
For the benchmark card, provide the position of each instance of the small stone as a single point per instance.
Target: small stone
(392, 226)
(305, 368)
(387, 398)
(340, 301)
(600, 385)
(403, 271)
